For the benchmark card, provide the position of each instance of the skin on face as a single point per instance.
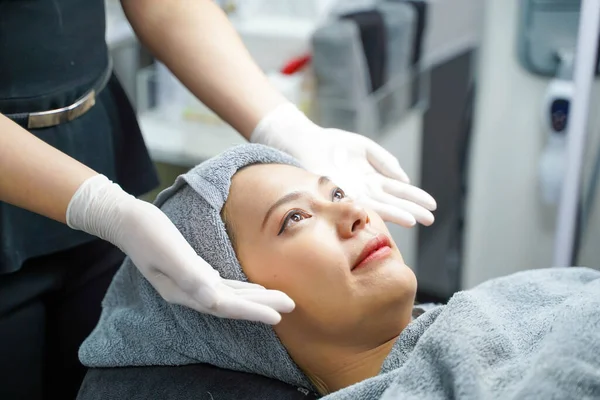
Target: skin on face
(307, 247)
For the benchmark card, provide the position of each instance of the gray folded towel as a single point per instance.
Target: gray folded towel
(137, 327)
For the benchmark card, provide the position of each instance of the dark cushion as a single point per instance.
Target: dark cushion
(199, 381)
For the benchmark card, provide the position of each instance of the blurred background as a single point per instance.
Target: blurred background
(472, 96)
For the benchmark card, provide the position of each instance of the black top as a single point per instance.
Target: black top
(50, 46)
(51, 52)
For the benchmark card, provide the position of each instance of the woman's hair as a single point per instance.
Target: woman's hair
(228, 226)
(225, 215)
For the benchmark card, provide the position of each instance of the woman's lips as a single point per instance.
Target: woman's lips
(376, 249)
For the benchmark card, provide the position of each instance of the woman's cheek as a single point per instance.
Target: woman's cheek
(274, 269)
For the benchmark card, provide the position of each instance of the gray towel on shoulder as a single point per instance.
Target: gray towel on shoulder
(530, 335)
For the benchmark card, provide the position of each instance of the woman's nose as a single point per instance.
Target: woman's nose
(351, 219)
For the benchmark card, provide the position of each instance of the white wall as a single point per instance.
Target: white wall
(508, 229)
(590, 249)
(453, 27)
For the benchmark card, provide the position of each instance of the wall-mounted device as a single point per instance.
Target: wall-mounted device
(548, 31)
(555, 119)
(547, 27)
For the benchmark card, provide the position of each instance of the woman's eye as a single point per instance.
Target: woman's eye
(291, 218)
(338, 194)
(295, 217)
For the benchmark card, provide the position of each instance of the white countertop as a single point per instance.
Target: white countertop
(185, 143)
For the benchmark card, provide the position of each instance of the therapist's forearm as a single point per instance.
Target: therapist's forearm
(195, 39)
(36, 176)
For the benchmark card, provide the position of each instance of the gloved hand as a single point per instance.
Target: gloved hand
(362, 168)
(165, 258)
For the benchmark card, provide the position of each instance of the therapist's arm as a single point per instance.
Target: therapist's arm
(36, 176)
(195, 39)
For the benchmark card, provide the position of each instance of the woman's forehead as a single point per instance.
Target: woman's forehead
(255, 188)
(271, 178)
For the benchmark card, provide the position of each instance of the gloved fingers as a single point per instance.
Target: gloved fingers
(236, 307)
(241, 285)
(187, 275)
(275, 299)
(200, 288)
(389, 213)
(227, 304)
(172, 294)
(409, 192)
(385, 163)
(419, 213)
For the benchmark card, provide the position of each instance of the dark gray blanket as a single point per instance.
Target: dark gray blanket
(190, 382)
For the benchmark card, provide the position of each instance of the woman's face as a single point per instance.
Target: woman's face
(297, 232)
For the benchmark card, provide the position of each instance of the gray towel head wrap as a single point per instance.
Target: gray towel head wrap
(138, 327)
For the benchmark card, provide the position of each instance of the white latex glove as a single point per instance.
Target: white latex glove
(362, 168)
(165, 258)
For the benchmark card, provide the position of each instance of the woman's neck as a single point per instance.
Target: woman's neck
(336, 358)
(358, 354)
(333, 368)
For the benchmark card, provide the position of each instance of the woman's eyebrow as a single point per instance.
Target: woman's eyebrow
(323, 180)
(285, 199)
